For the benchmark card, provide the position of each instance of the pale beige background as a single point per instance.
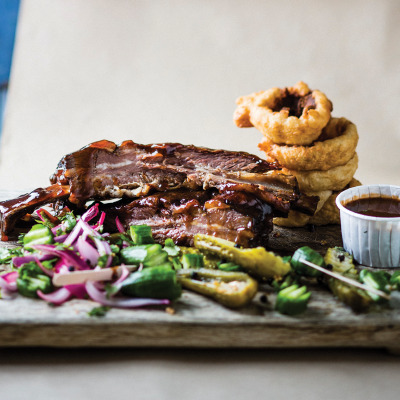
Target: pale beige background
(155, 71)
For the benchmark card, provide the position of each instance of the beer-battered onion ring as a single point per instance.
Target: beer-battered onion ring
(241, 116)
(336, 146)
(293, 115)
(333, 179)
(328, 214)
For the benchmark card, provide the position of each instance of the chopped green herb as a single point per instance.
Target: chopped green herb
(46, 219)
(100, 311)
(68, 222)
(114, 248)
(49, 264)
(102, 261)
(171, 248)
(111, 290)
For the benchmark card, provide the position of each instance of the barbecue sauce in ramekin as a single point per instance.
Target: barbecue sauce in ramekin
(382, 207)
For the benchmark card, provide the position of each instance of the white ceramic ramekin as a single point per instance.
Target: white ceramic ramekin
(373, 241)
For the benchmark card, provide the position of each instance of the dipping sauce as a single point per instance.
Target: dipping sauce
(386, 207)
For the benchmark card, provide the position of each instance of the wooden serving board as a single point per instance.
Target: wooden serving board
(195, 321)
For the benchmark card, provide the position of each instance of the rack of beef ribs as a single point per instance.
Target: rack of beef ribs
(104, 170)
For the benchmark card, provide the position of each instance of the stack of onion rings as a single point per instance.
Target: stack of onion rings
(293, 115)
(336, 146)
(301, 136)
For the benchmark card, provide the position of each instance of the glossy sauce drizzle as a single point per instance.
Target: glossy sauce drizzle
(386, 207)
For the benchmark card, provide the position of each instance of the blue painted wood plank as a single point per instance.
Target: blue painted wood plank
(8, 21)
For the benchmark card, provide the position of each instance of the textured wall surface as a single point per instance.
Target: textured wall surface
(171, 71)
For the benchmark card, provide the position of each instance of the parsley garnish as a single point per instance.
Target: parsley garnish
(100, 311)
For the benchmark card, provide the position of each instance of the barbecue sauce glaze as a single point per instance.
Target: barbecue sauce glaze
(386, 207)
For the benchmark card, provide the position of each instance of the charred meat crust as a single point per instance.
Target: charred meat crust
(12, 210)
(103, 170)
(236, 216)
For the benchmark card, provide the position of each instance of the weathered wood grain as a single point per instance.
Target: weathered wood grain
(197, 322)
(320, 238)
(200, 322)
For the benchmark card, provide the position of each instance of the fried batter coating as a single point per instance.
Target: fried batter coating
(333, 179)
(294, 115)
(336, 146)
(328, 214)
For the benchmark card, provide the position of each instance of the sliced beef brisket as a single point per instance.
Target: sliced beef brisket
(103, 170)
(236, 216)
